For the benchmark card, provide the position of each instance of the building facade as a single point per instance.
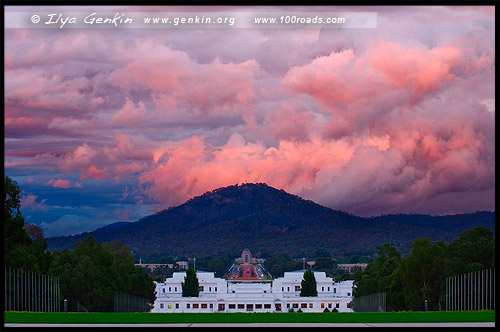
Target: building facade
(352, 267)
(278, 295)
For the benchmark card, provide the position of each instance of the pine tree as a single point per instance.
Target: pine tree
(308, 284)
(190, 286)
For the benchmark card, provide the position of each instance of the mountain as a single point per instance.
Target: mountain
(265, 219)
(114, 225)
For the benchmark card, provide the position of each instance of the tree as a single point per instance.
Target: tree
(308, 284)
(377, 275)
(474, 250)
(98, 281)
(24, 244)
(134, 279)
(190, 286)
(15, 236)
(93, 273)
(278, 264)
(410, 281)
(218, 265)
(326, 263)
(354, 259)
(423, 274)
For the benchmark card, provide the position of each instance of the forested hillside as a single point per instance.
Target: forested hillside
(268, 220)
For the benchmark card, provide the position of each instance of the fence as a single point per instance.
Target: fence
(131, 303)
(370, 303)
(31, 291)
(471, 291)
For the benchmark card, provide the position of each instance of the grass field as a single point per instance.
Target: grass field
(361, 317)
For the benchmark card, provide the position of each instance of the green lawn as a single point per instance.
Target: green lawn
(361, 317)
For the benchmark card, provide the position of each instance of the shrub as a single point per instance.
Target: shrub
(326, 310)
(291, 310)
(335, 310)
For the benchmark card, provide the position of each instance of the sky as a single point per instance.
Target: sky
(114, 124)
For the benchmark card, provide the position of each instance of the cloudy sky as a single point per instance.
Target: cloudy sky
(106, 125)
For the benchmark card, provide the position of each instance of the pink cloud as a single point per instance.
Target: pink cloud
(130, 114)
(398, 113)
(289, 123)
(71, 124)
(60, 183)
(123, 215)
(416, 69)
(81, 157)
(184, 87)
(194, 166)
(96, 173)
(31, 202)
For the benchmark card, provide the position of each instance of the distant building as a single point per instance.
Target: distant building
(252, 293)
(352, 267)
(248, 269)
(246, 258)
(183, 265)
(151, 267)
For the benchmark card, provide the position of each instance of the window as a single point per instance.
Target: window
(303, 305)
(348, 304)
(196, 305)
(176, 289)
(201, 288)
(267, 306)
(161, 306)
(216, 289)
(322, 305)
(163, 290)
(170, 305)
(297, 288)
(249, 307)
(328, 288)
(232, 306)
(203, 305)
(241, 306)
(322, 289)
(310, 305)
(329, 305)
(188, 305)
(288, 288)
(170, 289)
(348, 294)
(211, 305)
(282, 289)
(337, 305)
(258, 306)
(209, 289)
(288, 305)
(334, 290)
(177, 306)
(295, 305)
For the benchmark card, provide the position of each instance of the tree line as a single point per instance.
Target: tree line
(89, 275)
(410, 281)
(92, 272)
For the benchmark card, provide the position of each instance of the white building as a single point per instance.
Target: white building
(279, 295)
(352, 267)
